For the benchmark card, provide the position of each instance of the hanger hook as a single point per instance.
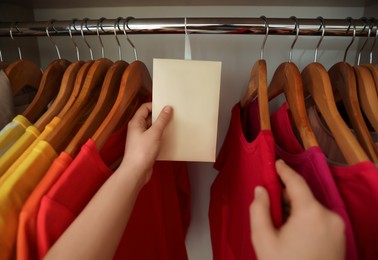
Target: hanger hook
(72, 39)
(296, 28)
(353, 37)
(50, 23)
(99, 24)
(265, 38)
(85, 20)
(373, 45)
(126, 23)
(116, 23)
(322, 26)
(11, 35)
(367, 39)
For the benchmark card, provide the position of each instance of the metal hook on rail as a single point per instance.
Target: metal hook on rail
(296, 28)
(99, 24)
(373, 45)
(126, 23)
(353, 37)
(322, 26)
(11, 35)
(85, 20)
(367, 39)
(265, 38)
(72, 39)
(50, 23)
(116, 23)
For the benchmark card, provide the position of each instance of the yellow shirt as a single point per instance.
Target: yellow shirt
(12, 131)
(16, 154)
(18, 147)
(15, 190)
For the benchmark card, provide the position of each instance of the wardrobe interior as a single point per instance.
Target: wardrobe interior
(237, 53)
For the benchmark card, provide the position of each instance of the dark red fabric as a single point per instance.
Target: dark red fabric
(358, 186)
(242, 165)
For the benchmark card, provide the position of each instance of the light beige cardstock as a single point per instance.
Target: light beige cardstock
(192, 88)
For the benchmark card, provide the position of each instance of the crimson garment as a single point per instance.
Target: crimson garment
(312, 165)
(157, 225)
(358, 186)
(242, 166)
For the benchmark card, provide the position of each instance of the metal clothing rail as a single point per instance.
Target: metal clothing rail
(210, 25)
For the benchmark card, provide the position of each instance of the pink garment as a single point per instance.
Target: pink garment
(312, 165)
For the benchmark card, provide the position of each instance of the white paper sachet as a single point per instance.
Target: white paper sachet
(192, 88)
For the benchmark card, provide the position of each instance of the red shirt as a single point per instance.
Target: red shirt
(242, 165)
(27, 233)
(157, 225)
(358, 186)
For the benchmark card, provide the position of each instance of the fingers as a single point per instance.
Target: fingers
(162, 121)
(298, 192)
(143, 111)
(263, 231)
(140, 118)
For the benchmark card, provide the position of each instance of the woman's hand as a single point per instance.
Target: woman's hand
(310, 232)
(143, 140)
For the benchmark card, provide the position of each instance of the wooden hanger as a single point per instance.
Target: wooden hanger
(23, 73)
(82, 105)
(257, 86)
(287, 79)
(79, 82)
(367, 95)
(108, 95)
(374, 72)
(317, 82)
(136, 84)
(47, 90)
(344, 83)
(65, 90)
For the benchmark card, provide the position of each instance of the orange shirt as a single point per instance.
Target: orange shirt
(26, 236)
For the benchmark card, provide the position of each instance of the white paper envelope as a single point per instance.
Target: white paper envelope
(192, 89)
